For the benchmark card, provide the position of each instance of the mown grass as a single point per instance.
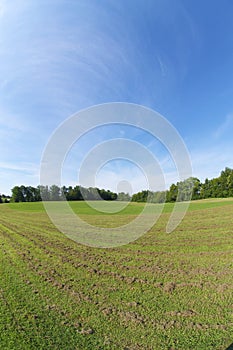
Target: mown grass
(133, 208)
(163, 291)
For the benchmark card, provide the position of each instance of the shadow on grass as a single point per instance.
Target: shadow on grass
(230, 347)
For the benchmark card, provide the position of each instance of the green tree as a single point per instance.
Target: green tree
(226, 182)
(158, 197)
(44, 192)
(17, 194)
(75, 193)
(140, 196)
(55, 193)
(196, 192)
(172, 193)
(107, 195)
(124, 197)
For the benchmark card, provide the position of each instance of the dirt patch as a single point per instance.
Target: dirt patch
(169, 287)
(129, 316)
(186, 313)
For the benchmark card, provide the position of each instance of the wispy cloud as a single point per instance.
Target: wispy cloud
(11, 121)
(56, 61)
(209, 162)
(21, 167)
(2, 10)
(13, 173)
(224, 127)
(162, 65)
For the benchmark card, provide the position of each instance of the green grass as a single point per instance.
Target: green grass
(131, 209)
(163, 291)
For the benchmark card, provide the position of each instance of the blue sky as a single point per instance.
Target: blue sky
(58, 57)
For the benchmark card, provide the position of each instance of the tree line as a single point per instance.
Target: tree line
(220, 187)
(55, 193)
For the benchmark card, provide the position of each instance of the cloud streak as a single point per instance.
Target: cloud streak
(224, 127)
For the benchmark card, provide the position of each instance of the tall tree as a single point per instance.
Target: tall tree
(172, 193)
(44, 192)
(17, 195)
(55, 193)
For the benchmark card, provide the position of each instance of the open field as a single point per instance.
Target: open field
(164, 291)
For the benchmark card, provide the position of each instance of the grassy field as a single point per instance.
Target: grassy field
(163, 291)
